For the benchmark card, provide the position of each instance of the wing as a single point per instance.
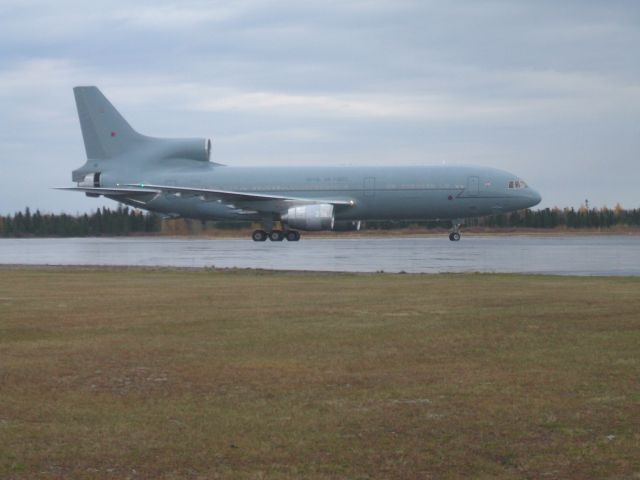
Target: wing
(234, 197)
(112, 192)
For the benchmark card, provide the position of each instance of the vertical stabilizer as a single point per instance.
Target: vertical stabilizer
(105, 132)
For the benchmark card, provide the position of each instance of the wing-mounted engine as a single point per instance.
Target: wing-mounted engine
(310, 217)
(198, 149)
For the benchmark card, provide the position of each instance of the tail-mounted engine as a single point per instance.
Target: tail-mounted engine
(310, 217)
(198, 149)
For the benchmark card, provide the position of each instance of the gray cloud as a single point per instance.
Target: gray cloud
(545, 89)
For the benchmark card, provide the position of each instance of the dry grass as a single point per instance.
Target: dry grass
(129, 373)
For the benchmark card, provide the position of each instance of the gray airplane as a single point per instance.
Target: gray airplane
(175, 178)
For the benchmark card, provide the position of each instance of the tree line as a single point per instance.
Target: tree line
(568, 217)
(104, 221)
(546, 218)
(127, 221)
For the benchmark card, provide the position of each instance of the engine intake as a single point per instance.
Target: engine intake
(310, 217)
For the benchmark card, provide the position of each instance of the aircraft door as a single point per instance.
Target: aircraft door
(369, 186)
(473, 185)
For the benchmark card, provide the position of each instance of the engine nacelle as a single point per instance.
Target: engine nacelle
(310, 217)
(90, 180)
(347, 225)
(198, 149)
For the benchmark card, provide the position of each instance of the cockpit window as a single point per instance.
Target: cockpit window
(517, 184)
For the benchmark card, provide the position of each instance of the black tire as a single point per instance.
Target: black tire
(259, 236)
(454, 236)
(292, 236)
(276, 235)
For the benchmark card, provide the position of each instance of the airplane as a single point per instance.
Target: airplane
(176, 178)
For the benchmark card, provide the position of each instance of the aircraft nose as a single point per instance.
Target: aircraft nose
(536, 198)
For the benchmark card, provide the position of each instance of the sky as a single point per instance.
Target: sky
(547, 90)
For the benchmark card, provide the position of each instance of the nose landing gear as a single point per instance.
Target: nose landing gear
(454, 236)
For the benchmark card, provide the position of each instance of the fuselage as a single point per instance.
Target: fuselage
(376, 193)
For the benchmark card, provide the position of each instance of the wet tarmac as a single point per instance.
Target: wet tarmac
(561, 255)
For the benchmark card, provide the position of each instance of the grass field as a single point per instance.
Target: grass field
(130, 373)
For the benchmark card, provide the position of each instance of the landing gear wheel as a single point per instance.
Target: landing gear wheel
(276, 235)
(259, 236)
(454, 236)
(292, 236)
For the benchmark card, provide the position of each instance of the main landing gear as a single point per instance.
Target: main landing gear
(275, 235)
(454, 236)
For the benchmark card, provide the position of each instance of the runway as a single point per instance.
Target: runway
(559, 255)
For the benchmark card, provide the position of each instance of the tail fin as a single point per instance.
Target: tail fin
(105, 132)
